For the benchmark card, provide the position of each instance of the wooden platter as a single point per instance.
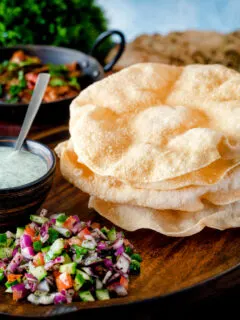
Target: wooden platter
(169, 266)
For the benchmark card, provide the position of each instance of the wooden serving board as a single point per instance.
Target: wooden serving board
(169, 264)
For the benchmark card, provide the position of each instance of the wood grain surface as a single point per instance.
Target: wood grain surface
(169, 264)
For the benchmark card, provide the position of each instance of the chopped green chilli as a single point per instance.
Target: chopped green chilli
(62, 259)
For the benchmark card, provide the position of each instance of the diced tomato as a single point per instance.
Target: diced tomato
(30, 231)
(69, 223)
(64, 281)
(38, 259)
(56, 273)
(124, 282)
(36, 238)
(96, 225)
(32, 77)
(17, 295)
(12, 277)
(84, 233)
(30, 85)
(126, 242)
(75, 240)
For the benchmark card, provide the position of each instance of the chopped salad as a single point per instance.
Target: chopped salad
(62, 259)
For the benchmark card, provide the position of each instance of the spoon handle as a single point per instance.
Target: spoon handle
(38, 93)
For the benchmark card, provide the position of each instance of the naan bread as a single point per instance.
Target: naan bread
(113, 190)
(152, 122)
(169, 222)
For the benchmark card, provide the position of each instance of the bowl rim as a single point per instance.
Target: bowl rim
(49, 172)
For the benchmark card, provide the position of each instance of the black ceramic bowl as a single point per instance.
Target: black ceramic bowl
(58, 111)
(16, 204)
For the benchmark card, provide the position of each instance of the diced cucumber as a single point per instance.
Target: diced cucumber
(19, 233)
(3, 240)
(80, 250)
(1, 275)
(38, 272)
(105, 230)
(83, 274)
(38, 219)
(10, 284)
(57, 247)
(68, 268)
(49, 256)
(45, 249)
(78, 282)
(102, 294)
(86, 296)
(88, 244)
(37, 246)
(61, 219)
(63, 231)
(67, 259)
(112, 235)
(9, 290)
(5, 253)
(9, 242)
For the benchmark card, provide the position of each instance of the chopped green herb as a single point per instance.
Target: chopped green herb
(74, 82)
(57, 70)
(57, 82)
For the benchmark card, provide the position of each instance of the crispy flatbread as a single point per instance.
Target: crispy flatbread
(169, 222)
(152, 122)
(113, 190)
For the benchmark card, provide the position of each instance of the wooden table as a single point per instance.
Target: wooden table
(170, 264)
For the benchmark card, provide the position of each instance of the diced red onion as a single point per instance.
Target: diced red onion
(43, 286)
(20, 288)
(87, 270)
(25, 241)
(127, 256)
(51, 263)
(52, 221)
(99, 284)
(77, 228)
(107, 277)
(3, 265)
(15, 262)
(59, 298)
(115, 277)
(119, 235)
(76, 218)
(28, 252)
(117, 244)
(119, 289)
(31, 282)
(123, 264)
(102, 246)
(43, 212)
(108, 263)
(99, 233)
(15, 251)
(119, 251)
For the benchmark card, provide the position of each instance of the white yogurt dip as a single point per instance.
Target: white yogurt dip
(19, 167)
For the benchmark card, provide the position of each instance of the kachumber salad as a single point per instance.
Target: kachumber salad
(62, 259)
(18, 77)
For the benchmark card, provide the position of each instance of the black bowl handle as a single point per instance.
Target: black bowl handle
(121, 48)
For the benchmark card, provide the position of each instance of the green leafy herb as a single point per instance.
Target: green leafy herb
(74, 82)
(56, 82)
(69, 23)
(57, 70)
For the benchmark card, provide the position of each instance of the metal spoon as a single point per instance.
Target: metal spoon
(38, 93)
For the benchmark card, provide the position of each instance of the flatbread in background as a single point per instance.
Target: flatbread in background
(144, 125)
(113, 190)
(169, 222)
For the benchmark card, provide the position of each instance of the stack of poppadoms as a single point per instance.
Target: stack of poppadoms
(158, 147)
